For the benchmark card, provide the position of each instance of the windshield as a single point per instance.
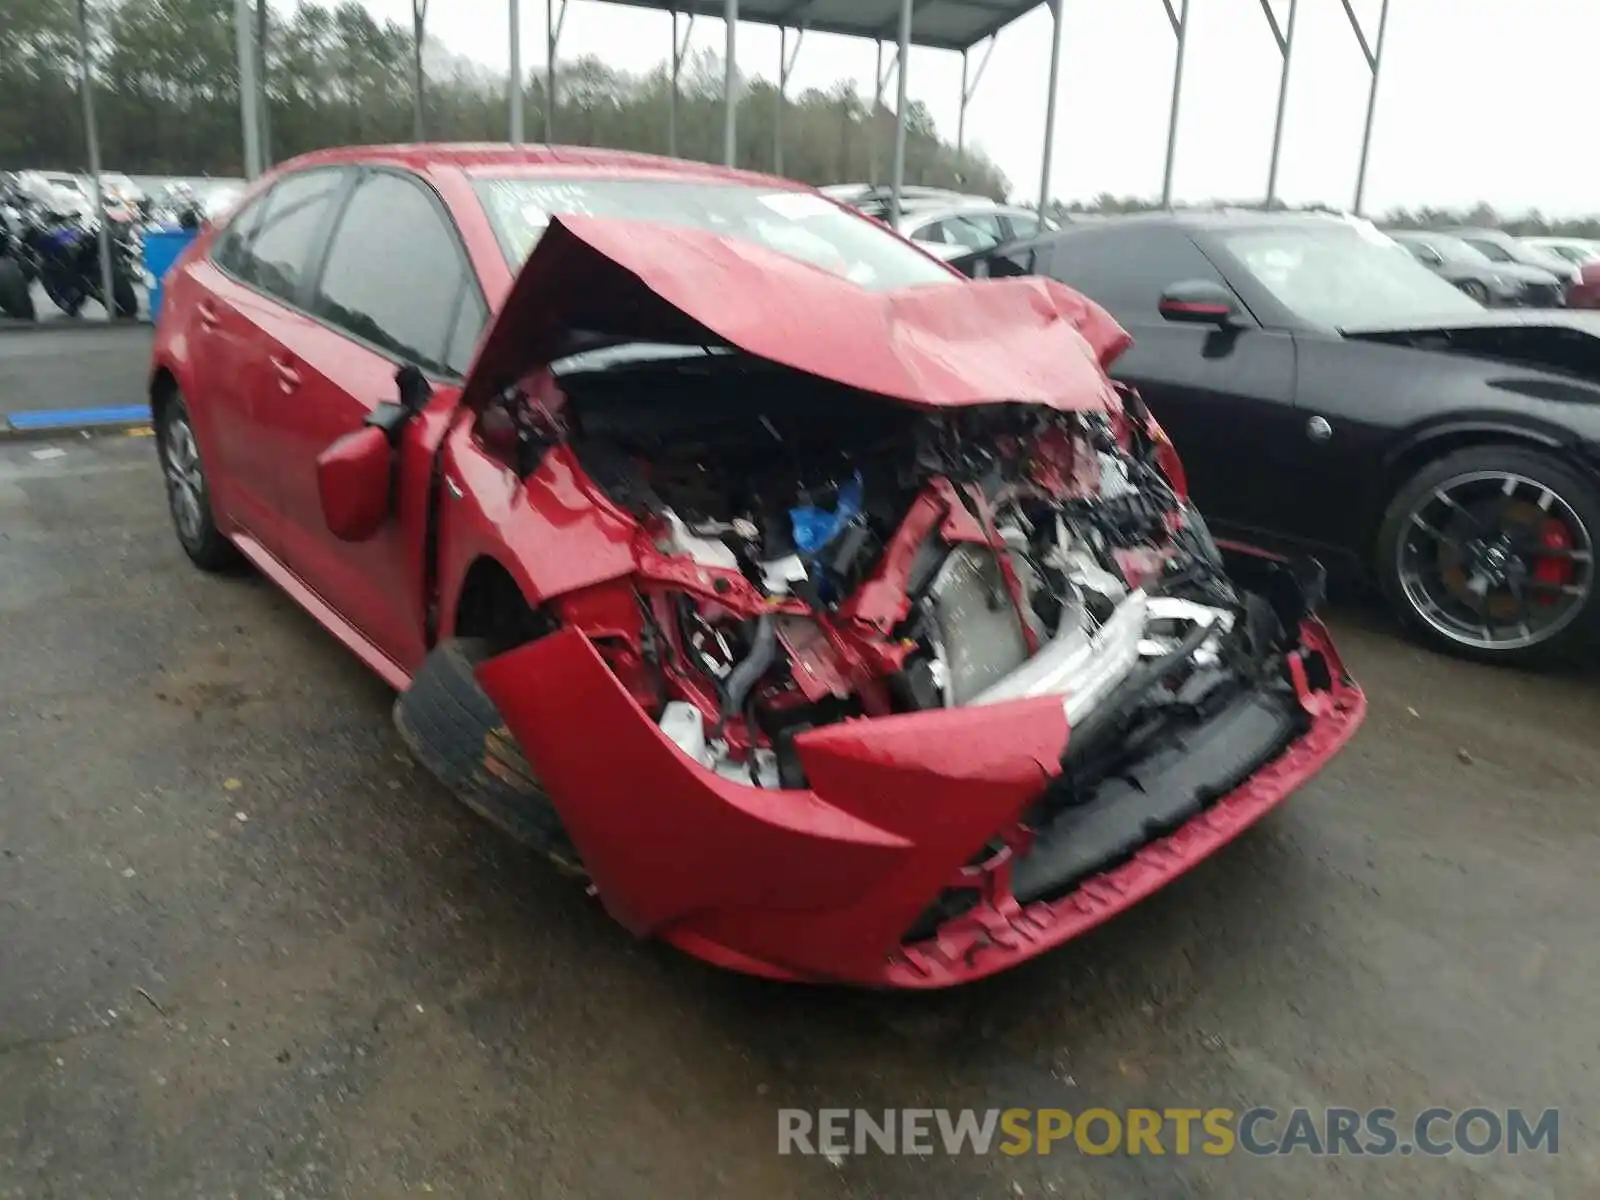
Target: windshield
(798, 224)
(1341, 277)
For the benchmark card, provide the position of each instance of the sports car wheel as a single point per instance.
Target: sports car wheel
(188, 495)
(454, 729)
(1489, 552)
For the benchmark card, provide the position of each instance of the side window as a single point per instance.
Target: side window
(228, 252)
(277, 257)
(1126, 270)
(393, 274)
(465, 329)
(975, 231)
(1022, 226)
(932, 232)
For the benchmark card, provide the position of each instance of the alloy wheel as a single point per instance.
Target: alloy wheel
(1495, 560)
(186, 484)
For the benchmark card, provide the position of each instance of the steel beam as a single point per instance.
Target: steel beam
(1180, 29)
(1285, 42)
(265, 112)
(968, 91)
(1050, 104)
(680, 48)
(419, 18)
(786, 61)
(243, 22)
(730, 84)
(91, 136)
(1374, 56)
(514, 112)
(898, 177)
(555, 16)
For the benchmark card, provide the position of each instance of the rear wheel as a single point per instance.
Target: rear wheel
(16, 297)
(125, 299)
(456, 732)
(1489, 553)
(188, 491)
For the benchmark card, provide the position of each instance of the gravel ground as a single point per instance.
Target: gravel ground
(247, 950)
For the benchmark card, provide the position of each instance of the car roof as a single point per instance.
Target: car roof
(486, 158)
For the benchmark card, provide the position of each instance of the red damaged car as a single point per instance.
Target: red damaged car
(839, 619)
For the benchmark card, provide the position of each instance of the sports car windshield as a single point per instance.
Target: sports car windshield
(798, 224)
(1341, 277)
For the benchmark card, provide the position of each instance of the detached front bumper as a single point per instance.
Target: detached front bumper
(917, 823)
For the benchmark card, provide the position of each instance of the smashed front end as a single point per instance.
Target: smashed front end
(899, 696)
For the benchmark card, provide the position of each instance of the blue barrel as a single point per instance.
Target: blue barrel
(161, 250)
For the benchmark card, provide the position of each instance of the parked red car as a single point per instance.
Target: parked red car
(1586, 292)
(837, 618)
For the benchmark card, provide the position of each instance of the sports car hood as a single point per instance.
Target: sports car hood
(593, 281)
(1561, 340)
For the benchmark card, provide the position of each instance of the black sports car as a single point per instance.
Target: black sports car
(1330, 395)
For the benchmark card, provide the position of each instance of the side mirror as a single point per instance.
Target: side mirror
(355, 480)
(1199, 302)
(355, 475)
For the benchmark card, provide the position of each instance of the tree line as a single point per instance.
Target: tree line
(167, 98)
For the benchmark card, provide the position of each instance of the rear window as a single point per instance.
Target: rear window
(801, 225)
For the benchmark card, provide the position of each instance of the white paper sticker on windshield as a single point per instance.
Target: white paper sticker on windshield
(797, 206)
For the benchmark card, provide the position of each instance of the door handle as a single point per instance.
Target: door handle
(288, 377)
(208, 314)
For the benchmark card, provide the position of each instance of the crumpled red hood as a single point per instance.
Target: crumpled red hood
(1024, 339)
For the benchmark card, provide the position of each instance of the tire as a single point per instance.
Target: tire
(1573, 625)
(456, 732)
(125, 298)
(188, 490)
(16, 297)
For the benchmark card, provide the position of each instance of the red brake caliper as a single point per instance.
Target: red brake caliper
(1551, 569)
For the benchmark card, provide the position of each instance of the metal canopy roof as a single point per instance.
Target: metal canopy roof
(940, 24)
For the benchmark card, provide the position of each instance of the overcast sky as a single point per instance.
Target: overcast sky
(1479, 99)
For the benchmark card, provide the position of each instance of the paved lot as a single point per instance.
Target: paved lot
(363, 992)
(76, 367)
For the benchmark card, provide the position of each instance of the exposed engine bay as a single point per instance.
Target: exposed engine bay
(808, 555)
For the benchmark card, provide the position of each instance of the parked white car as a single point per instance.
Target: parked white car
(947, 230)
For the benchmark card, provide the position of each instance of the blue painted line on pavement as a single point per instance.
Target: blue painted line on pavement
(76, 418)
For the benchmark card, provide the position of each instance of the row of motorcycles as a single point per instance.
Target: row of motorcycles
(61, 252)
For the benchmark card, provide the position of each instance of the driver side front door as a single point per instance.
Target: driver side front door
(394, 288)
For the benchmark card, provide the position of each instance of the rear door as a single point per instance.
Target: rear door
(394, 288)
(1225, 396)
(252, 282)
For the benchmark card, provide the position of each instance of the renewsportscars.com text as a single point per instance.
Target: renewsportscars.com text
(1261, 1131)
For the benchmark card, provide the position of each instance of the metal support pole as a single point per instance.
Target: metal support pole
(730, 84)
(968, 91)
(555, 16)
(1374, 57)
(242, 21)
(903, 54)
(1180, 27)
(877, 109)
(91, 135)
(261, 83)
(786, 61)
(1050, 104)
(419, 18)
(514, 81)
(678, 49)
(1285, 41)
